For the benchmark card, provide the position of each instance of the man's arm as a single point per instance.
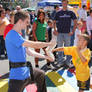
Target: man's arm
(55, 28)
(34, 30)
(2, 22)
(74, 27)
(88, 27)
(36, 45)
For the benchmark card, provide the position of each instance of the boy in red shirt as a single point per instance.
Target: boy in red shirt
(9, 26)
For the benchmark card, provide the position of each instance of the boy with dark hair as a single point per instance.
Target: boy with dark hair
(21, 72)
(80, 58)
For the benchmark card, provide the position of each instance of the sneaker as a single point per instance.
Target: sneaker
(55, 62)
(50, 66)
(70, 65)
(2, 56)
(60, 65)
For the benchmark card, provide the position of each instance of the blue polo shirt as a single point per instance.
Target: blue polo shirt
(63, 20)
(16, 53)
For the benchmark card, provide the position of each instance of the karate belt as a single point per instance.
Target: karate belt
(23, 64)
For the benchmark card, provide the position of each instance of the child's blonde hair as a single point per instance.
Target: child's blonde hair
(86, 37)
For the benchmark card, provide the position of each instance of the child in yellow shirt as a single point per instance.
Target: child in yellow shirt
(80, 58)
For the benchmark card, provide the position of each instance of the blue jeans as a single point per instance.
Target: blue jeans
(90, 62)
(2, 46)
(63, 39)
(72, 37)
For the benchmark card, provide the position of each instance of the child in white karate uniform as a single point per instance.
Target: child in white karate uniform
(77, 32)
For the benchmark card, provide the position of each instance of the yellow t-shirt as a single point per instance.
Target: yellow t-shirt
(82, 69)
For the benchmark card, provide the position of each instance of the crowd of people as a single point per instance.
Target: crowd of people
(73, 36)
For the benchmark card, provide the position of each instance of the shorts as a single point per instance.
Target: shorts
(83, 85)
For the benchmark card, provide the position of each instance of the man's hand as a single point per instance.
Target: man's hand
(55, 32)
(71, 33)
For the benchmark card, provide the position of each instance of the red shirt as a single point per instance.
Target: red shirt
(7, 29)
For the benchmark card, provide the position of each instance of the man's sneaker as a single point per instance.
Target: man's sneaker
(50, 66)
(55, 62)
(70, 65)
(60, 65)
(2, 56)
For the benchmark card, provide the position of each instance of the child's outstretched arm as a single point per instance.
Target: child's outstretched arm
(58, 49)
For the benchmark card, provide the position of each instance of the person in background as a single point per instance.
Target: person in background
(89, 28)
(18, 8)
(1, 7)
(89, 31)
(32, 17)
(7, 10)
(62, 24)
(3, 23)
(39, 32)
(50, 33)
(9, 26)
(49, 29)
(83, 17)
(41, 9)
(77, 32)
(80, 57)
(56, 9)
(48, 14)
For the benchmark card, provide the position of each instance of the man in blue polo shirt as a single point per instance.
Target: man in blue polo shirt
(16, 51)
(62, 24)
